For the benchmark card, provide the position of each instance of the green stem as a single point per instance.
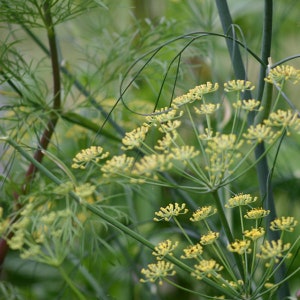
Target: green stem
(194, 292)
(67, 279)
(266, 45)
(49, 130)
(88, 124)
(227, 229)
(232, 45)
(222, 217)
(183, 231)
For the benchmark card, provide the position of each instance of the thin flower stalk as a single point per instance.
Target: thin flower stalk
(201, 146)
(183, 231)
(224, 259)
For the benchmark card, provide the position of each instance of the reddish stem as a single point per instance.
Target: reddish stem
(49, 130)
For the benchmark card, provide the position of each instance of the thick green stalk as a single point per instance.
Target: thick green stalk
(224, 222)
(266, 46)
(262, 166)
(233, 48)
(88, 124)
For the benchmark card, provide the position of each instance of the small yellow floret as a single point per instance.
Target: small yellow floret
(164, 248)
(240, 246)
(284, 224)
(192, 251)
(172, 210)
(92, 154)
(239, 200)
(256, 213)
(254, 233)
(238, 86)
(207, 268)
(209, 238)
(203, 213)
(158, 271)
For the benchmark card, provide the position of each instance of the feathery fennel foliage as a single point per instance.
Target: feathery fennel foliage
(110, 123)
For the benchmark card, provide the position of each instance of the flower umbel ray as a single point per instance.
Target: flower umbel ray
(273, 250)
(284, 224)
(223, 143)
(172, 210)
(209, 238)
(192, 251)
(256, 213)
(238, 86)
(260, 133)
(240, 246)
(207, 268)
(203, 213)
(206, 109)
(248, 105)
(116, 165)
(254, 233)
(150, 164)
(135, 138)
(164, 248)
(240, 200)
(92, 154)
(285, 119)
(163, 115)
(282, 73)
(184, 153)
(158, 271)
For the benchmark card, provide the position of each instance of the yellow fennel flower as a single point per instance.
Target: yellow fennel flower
(92, 154)
(254, 233)
(284, 224)
(170, 211)
(158, 271)
(260, 133)
(135, 138)
(240, 246)
(280, 74)
(238, 86)
(240, 200)
(117, 165)
(273, 250)
(164, 248)
(203, 213)
(192, 251)
(256, 213)
(207, 268)
(209, 238)
(206, 109)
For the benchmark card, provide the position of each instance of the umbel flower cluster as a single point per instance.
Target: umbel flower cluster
(202, 142)
(211, 259)
(194, 140)
(45, 225)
